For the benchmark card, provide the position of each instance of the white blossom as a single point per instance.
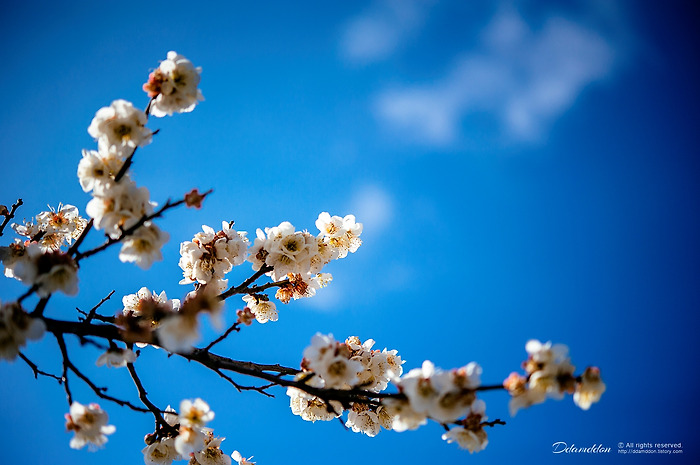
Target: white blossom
(341, 234)
(189, 440)
(119, 206)
(89, 423)
(173, 85)
(143, 247)
(363, 420)
(98, 168)
(120, 126)
(16, 326)
(211, 454)
(195, 413)
(116, 357)
(264, 310)
(240, 459)
(178, 333)
(162, 452)
(590, 389)
(50, 271)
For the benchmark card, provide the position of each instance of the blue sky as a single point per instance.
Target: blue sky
(523, 170)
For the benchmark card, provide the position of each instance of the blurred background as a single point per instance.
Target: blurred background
(522, 169)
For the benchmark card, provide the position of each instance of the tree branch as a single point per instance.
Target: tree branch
(37, 371)
(9, 215)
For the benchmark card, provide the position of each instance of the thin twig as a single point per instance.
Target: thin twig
(129, 231)
(143, 395)
(37, 371)
(64, 375)
(493, 423)
(67, 364)
(244, 285)
(10, 215)
(234, 327)
(93, 312)
(240, 388)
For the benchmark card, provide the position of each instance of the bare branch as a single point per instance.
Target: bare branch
(243, 287)
(37, 371)
(144, 399)
(9, 215)
(234, 327)
(93, 312)
(67, 364)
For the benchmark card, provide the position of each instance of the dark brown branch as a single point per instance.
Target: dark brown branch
(37, 371)
(262, 287)
(64, 375)
(131, 230)
(240, 388)
(243, 287)
(143, 395)
(67, 364)
(493, 423)
(9, 215)
(93, 312)
(234, 327)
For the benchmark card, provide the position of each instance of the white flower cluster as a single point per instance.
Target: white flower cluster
(53, 229)
(550, 374)
(48, 271)
(430, 392)
(117, 203)
(193, 440)
(39, 260)
(16, 326)
(173, 86)
(328, 363)
(89, 423)
(116, 357)
(470, 435)
(211, 254)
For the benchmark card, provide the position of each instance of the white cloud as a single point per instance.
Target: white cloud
(524, 79)
(382, 29)
(373, 207)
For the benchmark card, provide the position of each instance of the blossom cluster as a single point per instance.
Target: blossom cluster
(149, 317)
(448, 397)
(550, 374)
(211, 254)
(117, 202)
(38, 260)
(328, 363)
(188, 438)
(89, 423)
(16, 326)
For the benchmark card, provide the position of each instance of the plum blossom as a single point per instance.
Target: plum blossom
(361, 419)
(589, 389)
(98, 168)
(240, 459)
(89, 423)
(211, 454)
(120, 126)
(331, 361)
(471, 436)
(50, 271)
(16, 326)
(443, 396)
(342, 234)
(264, 310)
(116, 357)
(173, 86)
(143, 247)
(211, 254)
(161, 452)
(54, 228)
(119, 206)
